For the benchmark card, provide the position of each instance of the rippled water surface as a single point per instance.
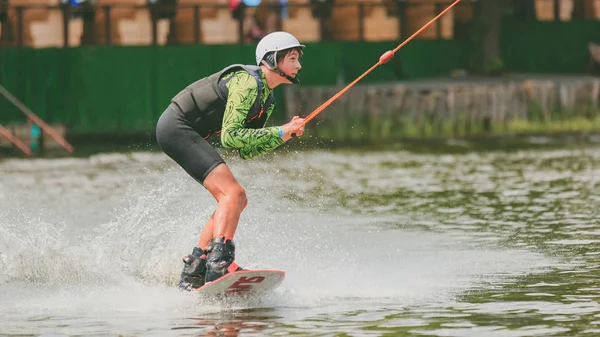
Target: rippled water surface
(374, 242)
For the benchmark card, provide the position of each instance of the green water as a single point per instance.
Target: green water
(446, 239)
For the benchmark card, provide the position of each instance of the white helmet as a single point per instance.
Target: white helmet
(271, 44)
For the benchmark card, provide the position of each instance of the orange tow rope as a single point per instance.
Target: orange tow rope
(386, 57)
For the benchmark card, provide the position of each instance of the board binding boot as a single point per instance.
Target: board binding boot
(220, 259)
(194, 270)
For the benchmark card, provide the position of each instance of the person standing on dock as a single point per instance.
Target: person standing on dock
(233, 104)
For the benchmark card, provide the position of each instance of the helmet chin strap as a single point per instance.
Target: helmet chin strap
(290, 78)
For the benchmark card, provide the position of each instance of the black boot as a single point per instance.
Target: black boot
(220, 259)
(194, 270)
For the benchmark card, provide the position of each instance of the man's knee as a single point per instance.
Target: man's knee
(238, 193)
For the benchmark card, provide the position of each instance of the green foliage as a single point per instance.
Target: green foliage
(386, 128)
(494, 66)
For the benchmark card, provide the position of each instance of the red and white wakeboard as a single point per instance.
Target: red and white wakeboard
(244, 282)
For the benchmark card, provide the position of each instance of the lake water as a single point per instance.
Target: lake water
(374, 242)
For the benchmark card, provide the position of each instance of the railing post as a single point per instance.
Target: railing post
(94, 29)
(196, 23)
(3, 12)
(322, 28)
(402, 18)
(579, 10)
(154, 19)
(107, 27)
(20, 26)
(241, 13)
(361, 21)
(66, 16)
(279, 9)
(438, 23)
(7, 27)
(556, 10)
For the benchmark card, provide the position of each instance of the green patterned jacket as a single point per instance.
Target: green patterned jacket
(250, 142)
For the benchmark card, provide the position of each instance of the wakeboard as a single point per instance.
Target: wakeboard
(244, 282)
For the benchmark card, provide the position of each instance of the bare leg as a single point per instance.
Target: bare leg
(231, 199)
(207, 233)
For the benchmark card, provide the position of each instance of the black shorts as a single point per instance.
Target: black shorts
(184, 145)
